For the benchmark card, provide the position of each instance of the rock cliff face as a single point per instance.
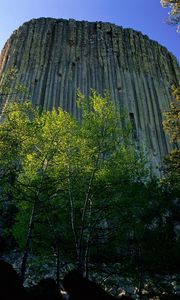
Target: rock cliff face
(55, 57)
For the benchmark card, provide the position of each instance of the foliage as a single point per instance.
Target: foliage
(174, 15)
(8, 208)
(172, 126)
(31, 151)
(172, 171)
(11, 86)
(143, 243)
(170, 184)
(172, 117)
(83, 192)
(59, 168)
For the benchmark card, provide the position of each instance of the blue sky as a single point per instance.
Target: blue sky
(142, 15)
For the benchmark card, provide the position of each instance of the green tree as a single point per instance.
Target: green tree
(172, 117)
(31, 151)
(172, 126)
(110, 155)
(62, 170)
(105, 153)
(8, 208)
(170, 185)
(174, 15)
(83, 193)
(142, 245)
(11, 86)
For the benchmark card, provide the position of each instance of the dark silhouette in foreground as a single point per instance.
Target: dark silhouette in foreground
(46, 289)
(10, 283)
(80, 288)
(11, 286)
(123, 297)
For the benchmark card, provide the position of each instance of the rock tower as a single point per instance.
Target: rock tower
(55, 57)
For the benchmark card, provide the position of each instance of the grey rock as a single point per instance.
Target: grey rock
(55, 57)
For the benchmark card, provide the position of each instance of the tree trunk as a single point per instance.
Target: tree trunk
(28, 241)
(140, 275)
(58, 267)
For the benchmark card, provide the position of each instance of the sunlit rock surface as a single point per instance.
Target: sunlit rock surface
(55, 57)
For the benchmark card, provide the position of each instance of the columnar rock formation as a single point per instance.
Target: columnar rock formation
(55, 57)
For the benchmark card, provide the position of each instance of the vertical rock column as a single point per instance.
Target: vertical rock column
(55, 57)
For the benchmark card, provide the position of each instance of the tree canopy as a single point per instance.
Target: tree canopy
(172, 117)
(55, 167)
(174, 15)
(81, 191)
(172, 126)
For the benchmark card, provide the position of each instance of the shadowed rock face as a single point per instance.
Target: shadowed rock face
(55, 57)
